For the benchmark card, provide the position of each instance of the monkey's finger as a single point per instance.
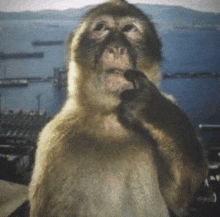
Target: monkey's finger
(125, 115)
(132, 75)
(139, 79)
(128, 95)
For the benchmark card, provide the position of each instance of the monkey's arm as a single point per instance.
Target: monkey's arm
(180, 158)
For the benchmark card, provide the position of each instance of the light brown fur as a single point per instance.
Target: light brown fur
(89, 162)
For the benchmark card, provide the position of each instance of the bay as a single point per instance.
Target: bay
(184, 50)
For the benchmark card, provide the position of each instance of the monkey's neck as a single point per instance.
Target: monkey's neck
(104, 125)
(95, 121)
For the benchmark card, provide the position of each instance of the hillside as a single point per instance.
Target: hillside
(176, 15)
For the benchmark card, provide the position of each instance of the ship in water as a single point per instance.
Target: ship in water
(47, 43)
(13, 83)
(5, 56)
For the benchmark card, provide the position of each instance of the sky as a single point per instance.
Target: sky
(35, 5)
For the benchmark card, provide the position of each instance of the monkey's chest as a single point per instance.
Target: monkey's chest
(115, 185)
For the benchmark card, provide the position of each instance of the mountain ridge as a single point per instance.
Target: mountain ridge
(158, 13)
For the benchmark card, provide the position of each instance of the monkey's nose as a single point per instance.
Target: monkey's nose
(116, 51)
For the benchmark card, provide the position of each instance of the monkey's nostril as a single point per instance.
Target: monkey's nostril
(121, 50)
(111, 50)
(116, 50)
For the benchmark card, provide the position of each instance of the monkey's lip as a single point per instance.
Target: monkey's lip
(116, 71)
(115, 80)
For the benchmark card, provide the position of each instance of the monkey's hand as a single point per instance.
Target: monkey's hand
(139, 103)
(147, 112)
(145, 106)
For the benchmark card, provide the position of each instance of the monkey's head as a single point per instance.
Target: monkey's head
(113, 37)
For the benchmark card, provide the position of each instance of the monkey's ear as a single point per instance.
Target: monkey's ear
(118, 2)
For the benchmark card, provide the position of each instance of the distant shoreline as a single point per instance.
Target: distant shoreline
(177, 15)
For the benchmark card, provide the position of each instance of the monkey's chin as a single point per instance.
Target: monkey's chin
(115, 81)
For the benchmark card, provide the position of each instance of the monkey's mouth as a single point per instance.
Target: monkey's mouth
(115, 81)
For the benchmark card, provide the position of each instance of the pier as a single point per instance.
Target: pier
(191, 75)
(26, 80)
(13, 83)
(47, 43)
(6, 56)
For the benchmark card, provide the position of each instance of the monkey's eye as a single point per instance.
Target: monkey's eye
(100, 27)
(133, 31)
(128, 28)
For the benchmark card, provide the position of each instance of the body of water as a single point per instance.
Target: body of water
(184, 50)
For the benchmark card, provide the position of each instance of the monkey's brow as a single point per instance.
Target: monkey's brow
(103, 18)
(115, 18)
(118, 22)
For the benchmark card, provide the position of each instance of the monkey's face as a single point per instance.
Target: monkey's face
(112, 40)
(117, 50)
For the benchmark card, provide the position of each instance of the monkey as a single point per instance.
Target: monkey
(119, 147)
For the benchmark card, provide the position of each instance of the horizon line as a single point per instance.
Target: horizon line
(78, 8)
